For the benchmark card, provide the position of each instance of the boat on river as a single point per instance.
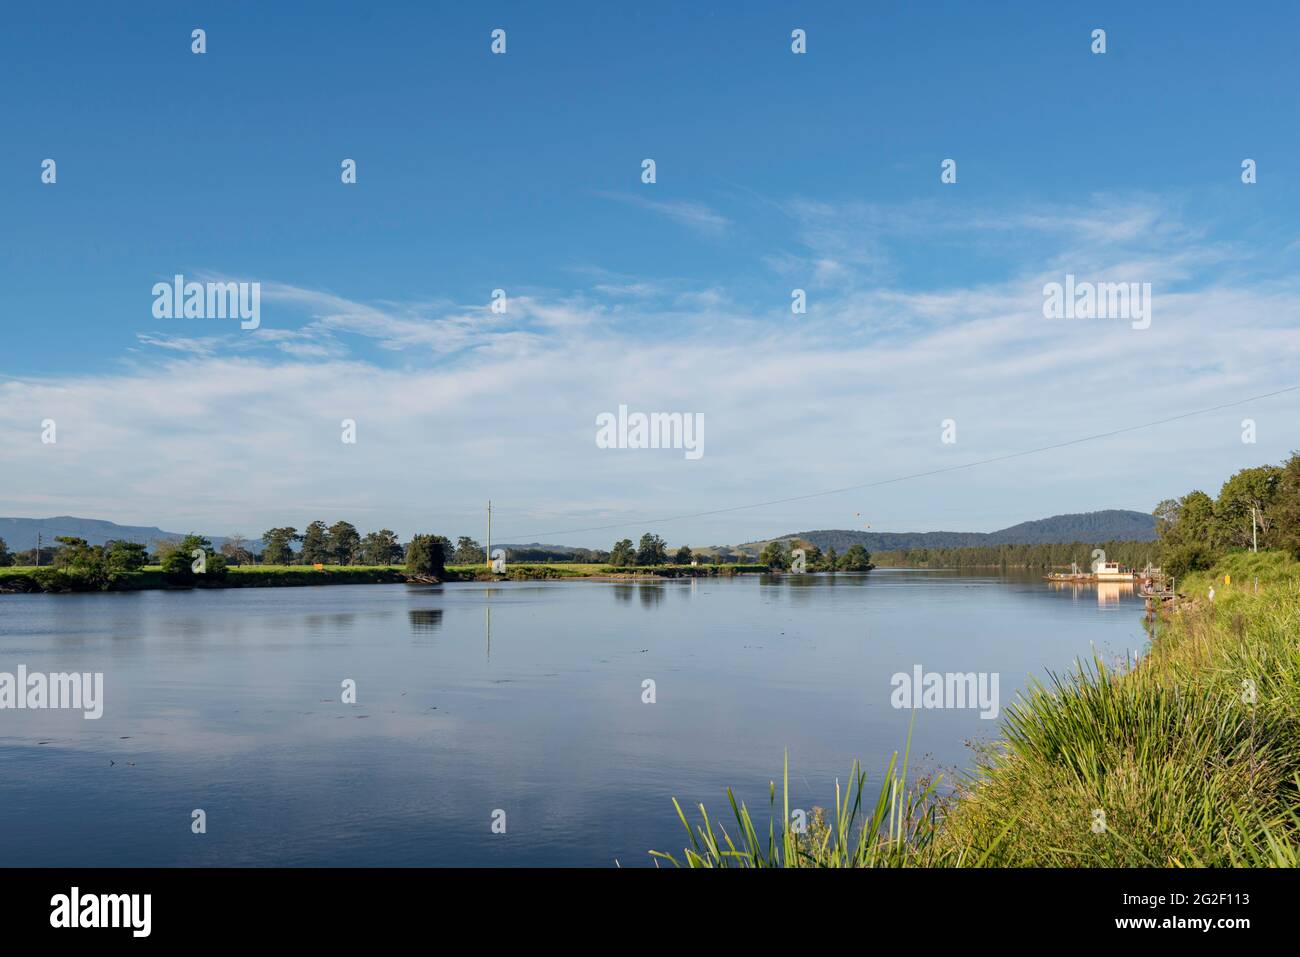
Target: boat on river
(1102, 572)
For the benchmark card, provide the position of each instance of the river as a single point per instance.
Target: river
(478, 707)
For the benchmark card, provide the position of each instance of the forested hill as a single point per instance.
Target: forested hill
(20, 533)
(1108, 525)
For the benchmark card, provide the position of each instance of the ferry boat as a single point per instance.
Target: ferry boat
(1103, 572)
(1111, 572)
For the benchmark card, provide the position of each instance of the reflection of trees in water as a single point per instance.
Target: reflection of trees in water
(341, 621)
(853, 579)
(425, 619)
(651, 593)
(802, 589)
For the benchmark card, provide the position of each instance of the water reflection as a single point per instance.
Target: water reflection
(342, 621)
(650, 593)
(425, 620)
(1108, 593)
(545, 700)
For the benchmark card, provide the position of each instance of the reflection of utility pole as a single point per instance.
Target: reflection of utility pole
(488, 609)
(489, 541)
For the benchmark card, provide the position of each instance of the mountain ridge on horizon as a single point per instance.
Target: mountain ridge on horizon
(1101, 526)
(19, 534)
(1105, 525)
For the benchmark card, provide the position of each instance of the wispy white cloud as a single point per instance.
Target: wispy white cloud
(696, 216)
(206, 434)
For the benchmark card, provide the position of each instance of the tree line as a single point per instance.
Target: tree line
(777, 554)
(342, 544)
(1042, 557)
(75, 564)
(1256, 506)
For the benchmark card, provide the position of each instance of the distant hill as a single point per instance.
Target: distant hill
(1110, 525)
(538, 552)
(20, 533)
(1104, 526)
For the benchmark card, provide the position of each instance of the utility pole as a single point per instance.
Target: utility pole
(489, 541)
(38, 549)
(1254, 533)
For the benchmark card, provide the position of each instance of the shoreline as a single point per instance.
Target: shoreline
(46, 580)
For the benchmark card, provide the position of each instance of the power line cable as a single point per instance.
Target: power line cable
(537, 536)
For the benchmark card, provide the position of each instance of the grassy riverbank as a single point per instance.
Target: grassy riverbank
(1193, 758)
(21, 579)
(31, 579)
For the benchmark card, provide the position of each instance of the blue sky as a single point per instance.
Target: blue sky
(522, 172)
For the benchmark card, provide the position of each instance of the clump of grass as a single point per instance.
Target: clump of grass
(898, 830)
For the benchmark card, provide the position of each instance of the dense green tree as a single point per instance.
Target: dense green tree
(774, 555)
(424, 556)
(683, 556)
(184, 566)
(831, 559)
(1250, 490)
(381, 548)
(468, 552)
(622, 554)
(80, 566)
(344, 543)
(855, 559)
(444, 543)
(277, 545)
(1187, 530)
(6, 558)
(653, 550)
(315, 544)
(1285, 533)
(1178, 559)
(1195, 524)
(1166, 515)
(81, 562)
(123, 558)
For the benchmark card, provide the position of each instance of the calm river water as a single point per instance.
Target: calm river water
(472, 699)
